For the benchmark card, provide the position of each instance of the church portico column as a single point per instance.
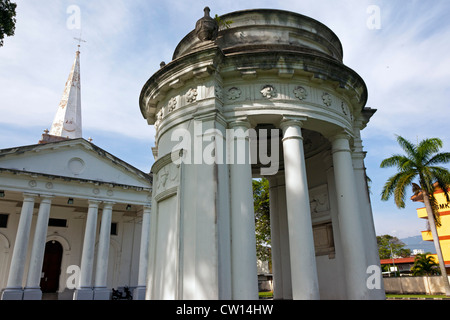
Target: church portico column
(13, 289)
(139, 292)
(32, 289)
(84, 290)
(243, 242)
(301, 241)
(101, 292)
(349, 218)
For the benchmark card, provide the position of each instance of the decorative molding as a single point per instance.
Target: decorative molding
(301, 93)
(159, 118)
(191, 95)
(234, 93)
(166, 172)
(268, 91)
(172, 105)
(218, 92)
(318, 199)
(327, 100)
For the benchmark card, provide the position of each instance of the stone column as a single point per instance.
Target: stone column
(13, 289)
(243, 243)
(373, 258)
(352, 236)
(305, 284)
(139, 292)
(101, 292)
(281, 263)
(84, 290)
(33, 290)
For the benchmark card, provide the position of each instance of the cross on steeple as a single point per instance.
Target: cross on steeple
(79, 42)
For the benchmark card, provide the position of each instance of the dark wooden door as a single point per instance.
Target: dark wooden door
(51, 268)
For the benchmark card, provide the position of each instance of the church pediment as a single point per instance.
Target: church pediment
(74, 159)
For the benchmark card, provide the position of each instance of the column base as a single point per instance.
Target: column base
(32, 294)
(102, 294)
(139, 293)
(83, 294)
(12, 294)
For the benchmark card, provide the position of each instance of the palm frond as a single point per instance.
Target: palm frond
(394, 161)
(439, 158)
(427, 147)
(403, 182)
(389, 187)
(408, 146)
(442, 178)
(435, 209)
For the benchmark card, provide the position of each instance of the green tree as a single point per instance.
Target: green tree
(7, 19)
(420, 161)
(424, 265)
(389, 245)
(262, 218)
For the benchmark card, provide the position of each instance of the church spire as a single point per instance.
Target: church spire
(67, 121)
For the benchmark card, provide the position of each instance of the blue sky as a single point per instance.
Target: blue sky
(405, 64)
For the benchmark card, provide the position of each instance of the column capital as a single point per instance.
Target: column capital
(340, 142)
(47, 198)
(29, 195)
(108, 204)
(292, 121)
(292, 129)
(240, 122)
(341, 134)
(94, 203)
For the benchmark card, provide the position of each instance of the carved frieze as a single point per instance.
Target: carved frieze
(268, 91)
(318, 199)
(234, 93)
(327, 99)
(172, 105)
(167, 177)
(191, 95)
(300, 93)
(218, 92)
(159, 118)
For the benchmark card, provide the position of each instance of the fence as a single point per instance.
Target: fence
(432, 285)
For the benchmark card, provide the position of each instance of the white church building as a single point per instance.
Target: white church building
(74, 218)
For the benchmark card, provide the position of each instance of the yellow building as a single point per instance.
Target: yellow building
(444, 230)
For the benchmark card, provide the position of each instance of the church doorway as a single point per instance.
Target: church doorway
(51, 268)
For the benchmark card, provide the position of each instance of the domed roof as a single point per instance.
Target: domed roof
(268, 30)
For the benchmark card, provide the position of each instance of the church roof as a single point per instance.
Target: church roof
(74, 159)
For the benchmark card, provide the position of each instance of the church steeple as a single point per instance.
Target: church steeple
(67, 123)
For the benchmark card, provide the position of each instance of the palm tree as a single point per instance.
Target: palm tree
(424, 264)
(420, 162)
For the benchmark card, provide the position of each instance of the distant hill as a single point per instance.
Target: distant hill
(417, 243)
